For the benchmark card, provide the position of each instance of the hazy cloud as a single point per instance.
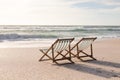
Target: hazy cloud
(60, 12)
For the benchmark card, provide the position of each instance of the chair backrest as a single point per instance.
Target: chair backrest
(85, 43)
(62, 44)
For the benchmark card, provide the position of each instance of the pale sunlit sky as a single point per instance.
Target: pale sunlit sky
(60, 12)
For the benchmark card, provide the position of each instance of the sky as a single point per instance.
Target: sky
(59, 12)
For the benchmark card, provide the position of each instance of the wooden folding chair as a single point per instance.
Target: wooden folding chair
(81, 46)
(56, 51)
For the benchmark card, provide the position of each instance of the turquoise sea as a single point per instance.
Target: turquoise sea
(38, 32)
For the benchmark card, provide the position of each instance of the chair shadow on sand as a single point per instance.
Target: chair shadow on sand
(94, 70)
(105, 63)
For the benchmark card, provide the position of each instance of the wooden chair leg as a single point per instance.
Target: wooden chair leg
(45, 54)
(69, 52)
(68, 58)
(86, 55)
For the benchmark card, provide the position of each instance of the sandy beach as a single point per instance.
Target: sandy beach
(19, 61)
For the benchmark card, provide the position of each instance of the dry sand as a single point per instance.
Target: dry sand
(21, 63)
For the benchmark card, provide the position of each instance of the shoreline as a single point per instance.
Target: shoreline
(39, 43)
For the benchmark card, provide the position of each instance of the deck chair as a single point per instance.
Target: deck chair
(56, 51)
(80, 48)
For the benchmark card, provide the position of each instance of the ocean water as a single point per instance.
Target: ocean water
(41, 32)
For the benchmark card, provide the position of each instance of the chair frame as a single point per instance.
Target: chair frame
(82, 51)
(52, 51)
